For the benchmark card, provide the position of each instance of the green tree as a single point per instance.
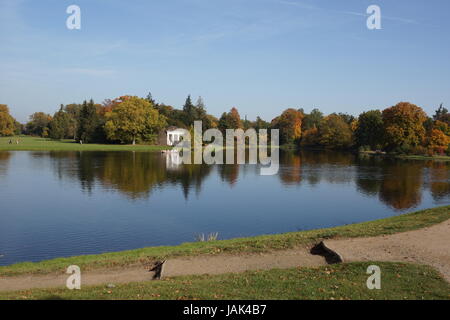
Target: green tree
(39, 124)
(312, 120)
(73, 111)
(60, 125)
(369, 130)
(189, 111)
(7, 122)
(132, 119)
(261, 124)
(89, 128)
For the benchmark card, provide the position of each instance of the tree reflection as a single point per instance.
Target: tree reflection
(4, 161)
(439, 177)
(134, 174)
(402, 183)
(397, 183)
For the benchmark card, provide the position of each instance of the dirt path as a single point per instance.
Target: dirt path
(426, 246)
(174, 267)
(429, 246)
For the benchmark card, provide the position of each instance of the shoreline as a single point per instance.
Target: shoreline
(258, 244)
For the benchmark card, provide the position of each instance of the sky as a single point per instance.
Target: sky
(261, 56)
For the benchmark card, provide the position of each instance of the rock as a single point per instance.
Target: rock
(110, 286)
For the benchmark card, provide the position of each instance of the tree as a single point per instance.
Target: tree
(442, 114)
(132, 119)
(189, 112)
(230, 120)
(90, 123)
(403, 126)
(39, 124)
(73, 111)
(310, 137)
(335, 133)
(7, 122)
(312, 120)
(290, 125)
(60, 126)
(174, 117)
(438, 141)
(369, 129)
(260, 124)
(150, 99)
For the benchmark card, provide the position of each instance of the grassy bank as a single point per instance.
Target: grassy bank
(345, 281)
(263, 243)
(415, 157)
(27, 143)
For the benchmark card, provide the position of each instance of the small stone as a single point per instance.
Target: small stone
(110, 285)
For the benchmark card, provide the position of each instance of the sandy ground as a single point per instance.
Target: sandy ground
(174, 267)
(429, 246)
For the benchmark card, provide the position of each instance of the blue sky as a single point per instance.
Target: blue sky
(261, 56)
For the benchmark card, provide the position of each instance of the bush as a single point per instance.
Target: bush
(419, 151)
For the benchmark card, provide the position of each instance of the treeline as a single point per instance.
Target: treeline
(404, 128)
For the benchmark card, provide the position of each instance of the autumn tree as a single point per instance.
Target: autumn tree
(335, 133)
(290, 125)
(7, 122)
(403, 126)
(133, 119)
(230, 120)
(369, 129)
(310, 137)
(437, 141)
(39, 124)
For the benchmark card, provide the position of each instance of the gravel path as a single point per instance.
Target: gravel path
(429, 246)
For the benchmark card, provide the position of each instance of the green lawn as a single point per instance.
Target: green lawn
(263, 243)
(399, 281)
(43, 144)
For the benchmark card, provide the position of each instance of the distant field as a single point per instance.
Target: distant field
(43, 144)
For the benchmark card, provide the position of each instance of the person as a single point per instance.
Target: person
(17, 141)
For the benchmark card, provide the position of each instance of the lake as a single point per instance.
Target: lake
(57, 204)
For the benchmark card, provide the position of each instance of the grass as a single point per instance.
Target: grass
(27, 143)
(417, 157)
(401, 223)
(399, 281)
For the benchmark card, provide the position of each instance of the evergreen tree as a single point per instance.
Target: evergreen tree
(189, 112)
(89, 123)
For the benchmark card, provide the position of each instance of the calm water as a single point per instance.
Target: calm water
(55, 204)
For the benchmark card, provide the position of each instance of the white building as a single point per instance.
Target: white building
(174, 135)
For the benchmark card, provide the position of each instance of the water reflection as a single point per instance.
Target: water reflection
(396, 183)
(4, 161)
(134, 174)
(56, 204)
